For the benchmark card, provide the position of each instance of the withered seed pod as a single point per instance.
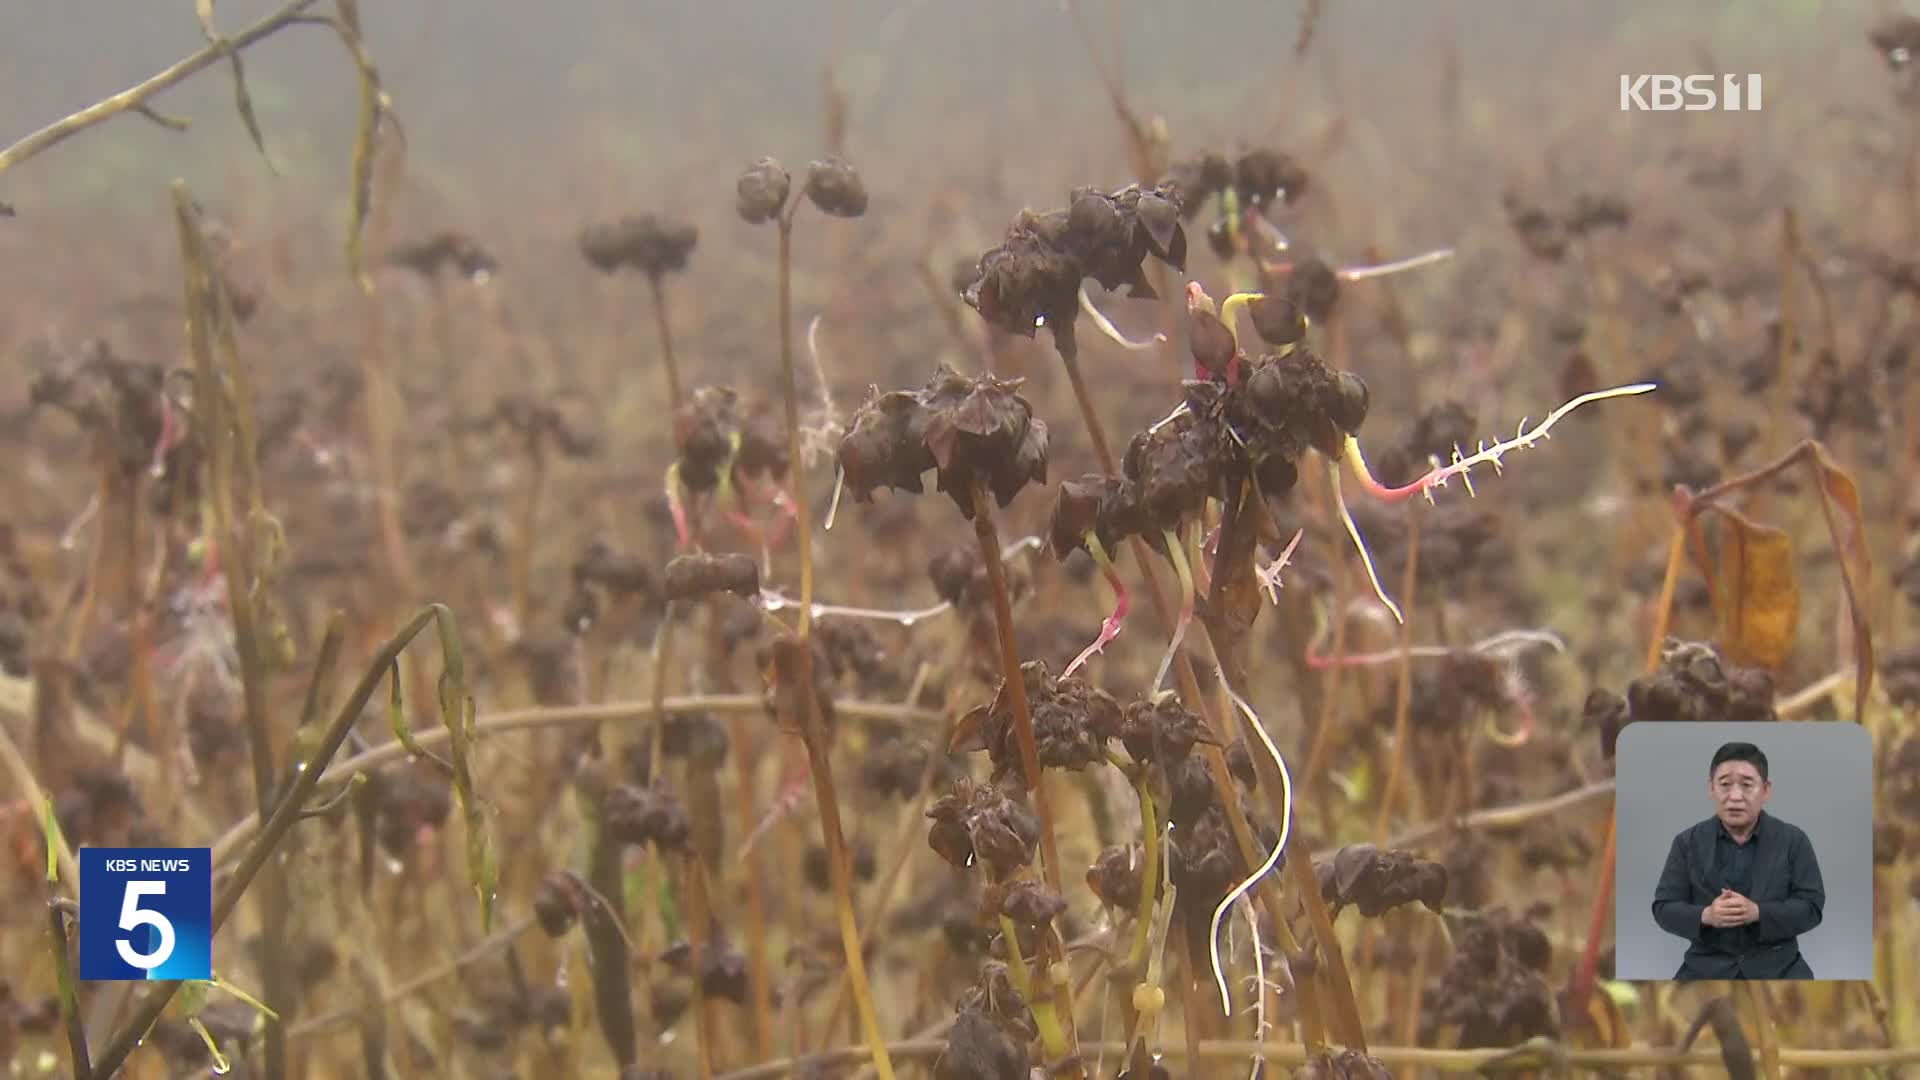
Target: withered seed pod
(698, 574)
(836, 188)
(761, 191)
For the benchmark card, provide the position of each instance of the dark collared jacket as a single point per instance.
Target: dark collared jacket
(1784, 882)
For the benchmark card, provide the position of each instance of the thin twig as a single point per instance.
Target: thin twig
(566, 716)
(132, 98)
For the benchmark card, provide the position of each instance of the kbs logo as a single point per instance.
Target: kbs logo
(146, 913)
(1691, 93)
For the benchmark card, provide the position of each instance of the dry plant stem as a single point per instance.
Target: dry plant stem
(529, 529)
(603, 926)
(287, 811)
(566, 716)
(821, 766)
(1783, 357)
(133, 98)
(909, 823)
(225, 427)
(36, 798)
(812, 732)
(989, 537)
(667, 362)
(802, 506)
(1583, 977)
(1346, 1010)
(758, 983)
(1535, 1056)
(1070, 357)
(693, 886)
(68, 994)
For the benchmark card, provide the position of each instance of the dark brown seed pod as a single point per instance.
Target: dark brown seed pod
(1195, 180)
(1029, 903)
(981, 821)
(1114, 876)
(644, 242)
(1162, 732)
(700, 573)
(638, 815)
(980, 428)
(1314, 288)
(1278, 320)
(1266, 176)
(836, 188)
(1072, 721)
(762, 191)
(1077, 512)
(617, 572)
(978, 1048)
(446, 249)
(1375, 881)
(1343, 1065)
(556, 903)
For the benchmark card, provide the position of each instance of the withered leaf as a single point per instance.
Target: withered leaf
(1756, 594)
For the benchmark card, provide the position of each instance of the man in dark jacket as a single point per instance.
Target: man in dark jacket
(1741, 886)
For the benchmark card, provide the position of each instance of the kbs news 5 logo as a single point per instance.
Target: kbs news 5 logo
(146, 913)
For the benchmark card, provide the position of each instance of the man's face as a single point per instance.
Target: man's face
(1738, 793)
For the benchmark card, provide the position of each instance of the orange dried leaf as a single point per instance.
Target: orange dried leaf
(1756, 595)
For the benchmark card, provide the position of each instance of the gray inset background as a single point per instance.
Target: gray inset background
(1822, 777)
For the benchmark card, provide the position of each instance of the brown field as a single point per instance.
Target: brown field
(508, 391)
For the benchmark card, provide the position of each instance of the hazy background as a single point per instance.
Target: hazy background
(606, 100)
(1822, 777)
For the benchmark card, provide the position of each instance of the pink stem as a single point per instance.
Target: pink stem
(1109, 628)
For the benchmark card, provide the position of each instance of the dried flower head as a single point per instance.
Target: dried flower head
(446, 249)
(1028, 903)
(1375, 881)
(639, 815)
(761, 191)
(701, 573)
(646, 243)
(1114, 877)
(966, 429)
(981, 821)
(1072, 721)
(1162, 732)
(836, 188)
(979, 1047)
(1494, 989)
(1033, 277)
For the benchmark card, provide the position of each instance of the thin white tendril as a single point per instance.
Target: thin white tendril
(1415, 262)
(833, 508)
(772, 600)
(1113, 332)
(1273, 857)
(1179, 411)
(71, 537)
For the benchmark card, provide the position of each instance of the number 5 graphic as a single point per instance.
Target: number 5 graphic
(133, 915)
